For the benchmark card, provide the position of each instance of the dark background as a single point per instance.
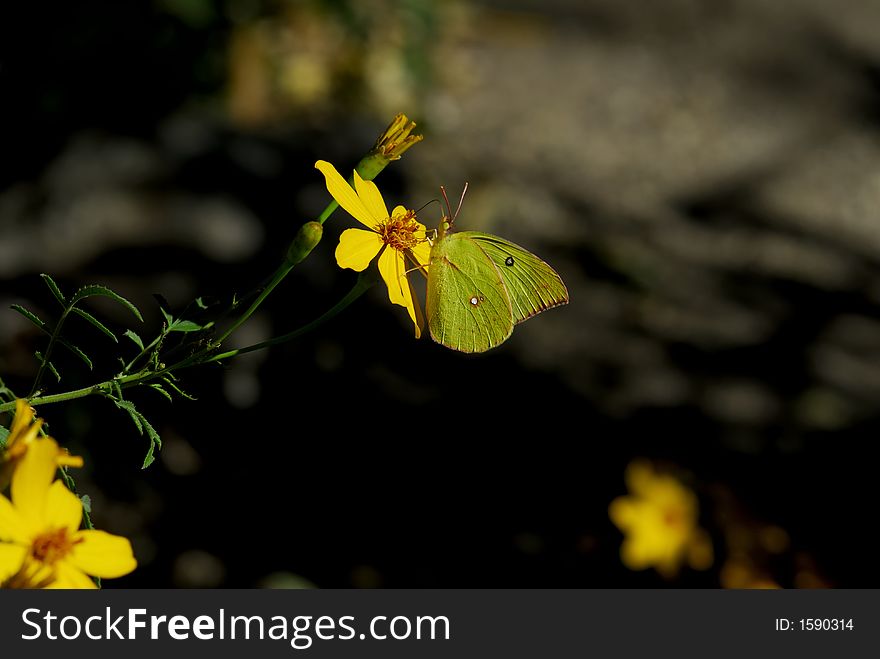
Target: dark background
(704, 176)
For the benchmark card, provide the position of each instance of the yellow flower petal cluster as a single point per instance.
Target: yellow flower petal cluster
(659, 522)
(22, 434)
(41, 544)
(397, 237)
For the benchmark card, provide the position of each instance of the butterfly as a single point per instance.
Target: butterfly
(480, 286)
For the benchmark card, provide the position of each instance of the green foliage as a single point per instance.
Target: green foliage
(142, 425)
(30, 316)
(146, 369)
(54, 288)
(97, 323)
(97, 290)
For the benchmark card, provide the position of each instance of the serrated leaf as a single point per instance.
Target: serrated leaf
(148, 458)
(30, 316)
(94, 321)
(178, 389)
(49, 365)
(155, 443)
(117, 389)
(158, 387)
(54, 288)
(76, 351)
(93, 290)
(184, 326)
(4, 433)
(134, 337)
(132, 412)
(142, 424)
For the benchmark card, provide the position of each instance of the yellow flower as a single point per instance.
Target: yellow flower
(738, 573)
(22, 433)
(395, 237)
(41, 543)
(659, 522)
(397, 138)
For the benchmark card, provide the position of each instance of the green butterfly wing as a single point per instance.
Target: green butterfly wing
(532, 285)
(468, 306)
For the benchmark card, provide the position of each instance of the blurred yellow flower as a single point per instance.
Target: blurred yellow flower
(23, 431)
(395, 237)
(41, 544)
(738, 573)
(659, 523)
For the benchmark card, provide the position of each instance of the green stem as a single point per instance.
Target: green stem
(277, 278)
(362, 285)
(48, 354)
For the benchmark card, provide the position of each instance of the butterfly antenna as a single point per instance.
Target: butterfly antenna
(446, 199)
(460, 202)
(449, 213)
(433, 201)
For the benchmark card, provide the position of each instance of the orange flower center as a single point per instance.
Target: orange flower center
(51, 546)
(673, 518)
(398, 231)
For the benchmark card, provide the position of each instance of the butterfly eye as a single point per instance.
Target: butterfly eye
(508, 260)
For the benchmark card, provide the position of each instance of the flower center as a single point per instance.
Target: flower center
(51, 546)
(673, 518)
(398, 231)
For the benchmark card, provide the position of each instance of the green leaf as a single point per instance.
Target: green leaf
(184, 326)
(49, 365)
(201, 303)
(76, 351)
(102, 291)
(149, 458)
(117, 389)
(158, 387)
(132, 412)
(94, 321)
(134, 337)
(54, 288)
(86, 502)
(155, 443)
(140, 421)
(4, 433)
(178, 389)
(30, 316)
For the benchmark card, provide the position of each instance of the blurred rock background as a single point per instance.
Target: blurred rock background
(705, 175)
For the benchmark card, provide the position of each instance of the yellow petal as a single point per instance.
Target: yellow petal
(32, 477)
(24, 414)
(12, 527)
(65, 459)
(392, 269)
(632, 555)
(63, 508)
(343, 193)
(371, 198)
(622, 512)
(357, 248)
(69, 576)
(640, 478)
(422, 255)
(11, 559)
(102, 554)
